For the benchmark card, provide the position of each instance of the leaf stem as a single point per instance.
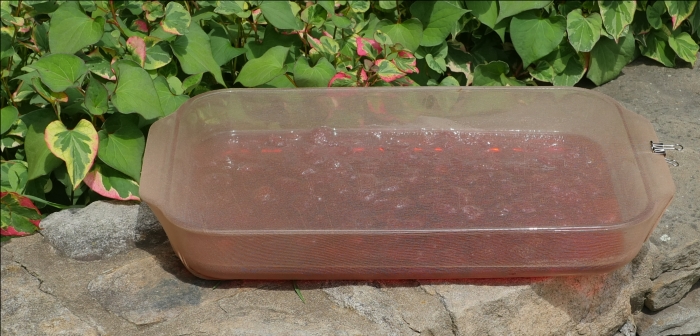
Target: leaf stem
(9, 93)
(55, 205)
(291, 80)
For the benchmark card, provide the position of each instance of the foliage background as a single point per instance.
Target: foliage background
(82, 81)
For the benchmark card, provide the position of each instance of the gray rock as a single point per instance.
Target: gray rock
(628, 329)
(670, 287)
(148, 290)
(682, 318)
(100, 230)
(27, 310)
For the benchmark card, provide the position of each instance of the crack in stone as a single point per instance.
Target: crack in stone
(453, 318)
(409, 325)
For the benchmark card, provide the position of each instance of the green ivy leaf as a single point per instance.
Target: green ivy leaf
(583, 32)
(510, 8)
(281, 15)
(228, 7)
(96, 98)
(13, 176)
(617, 14)
(314, 15)
(654, 13)
(316, 76)
(191, 82)
(437, 64)
(359, 6)
(657, 48)
(157, 56)
(135, 92)
(168, 101)
(437, 17)
(71, 30)
(694, 20)
(221, 47)
(485, 11)
(264, 68)
(110, 183)
(408, 33)
(608, 58)
(193, 50)
(490, 74)
(680, 10)
(60, 71)
(328, 5)
(177, 19)
(121, 145)
(76, 147)
(8, 116)
(449, 81)
(39, 157)
(6, 49)
(684, 46)
(388, 71)
(20, 217)
(535, 37)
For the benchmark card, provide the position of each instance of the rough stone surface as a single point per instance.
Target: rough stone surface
(101, 230)
(27, 310)
(108, 270)
(670, 287)
(680, 319)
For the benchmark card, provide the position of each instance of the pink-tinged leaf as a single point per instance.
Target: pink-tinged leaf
(405, 54)
(137, 46)
(363, 75)
(342, 79)
(20, 217)
(388, 71)
(141, 26)
(406, 62)
(327, 34)
(109, 182)
(364, 45)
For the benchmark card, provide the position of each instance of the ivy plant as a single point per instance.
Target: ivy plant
(82, 81)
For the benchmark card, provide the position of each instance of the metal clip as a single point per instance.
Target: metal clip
(660, 148)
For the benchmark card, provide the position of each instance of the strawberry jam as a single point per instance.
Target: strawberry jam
(405, 180)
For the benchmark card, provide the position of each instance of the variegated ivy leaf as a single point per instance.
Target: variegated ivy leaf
(177, 19)
(76, 147)
(617, 15)
(406, 62)
(153, 9)
(110, 183)
(157, 56)
(684, 46)
(388, 71)
(680, 10)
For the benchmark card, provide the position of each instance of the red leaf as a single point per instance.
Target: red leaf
(363, 75)
(141, 25)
